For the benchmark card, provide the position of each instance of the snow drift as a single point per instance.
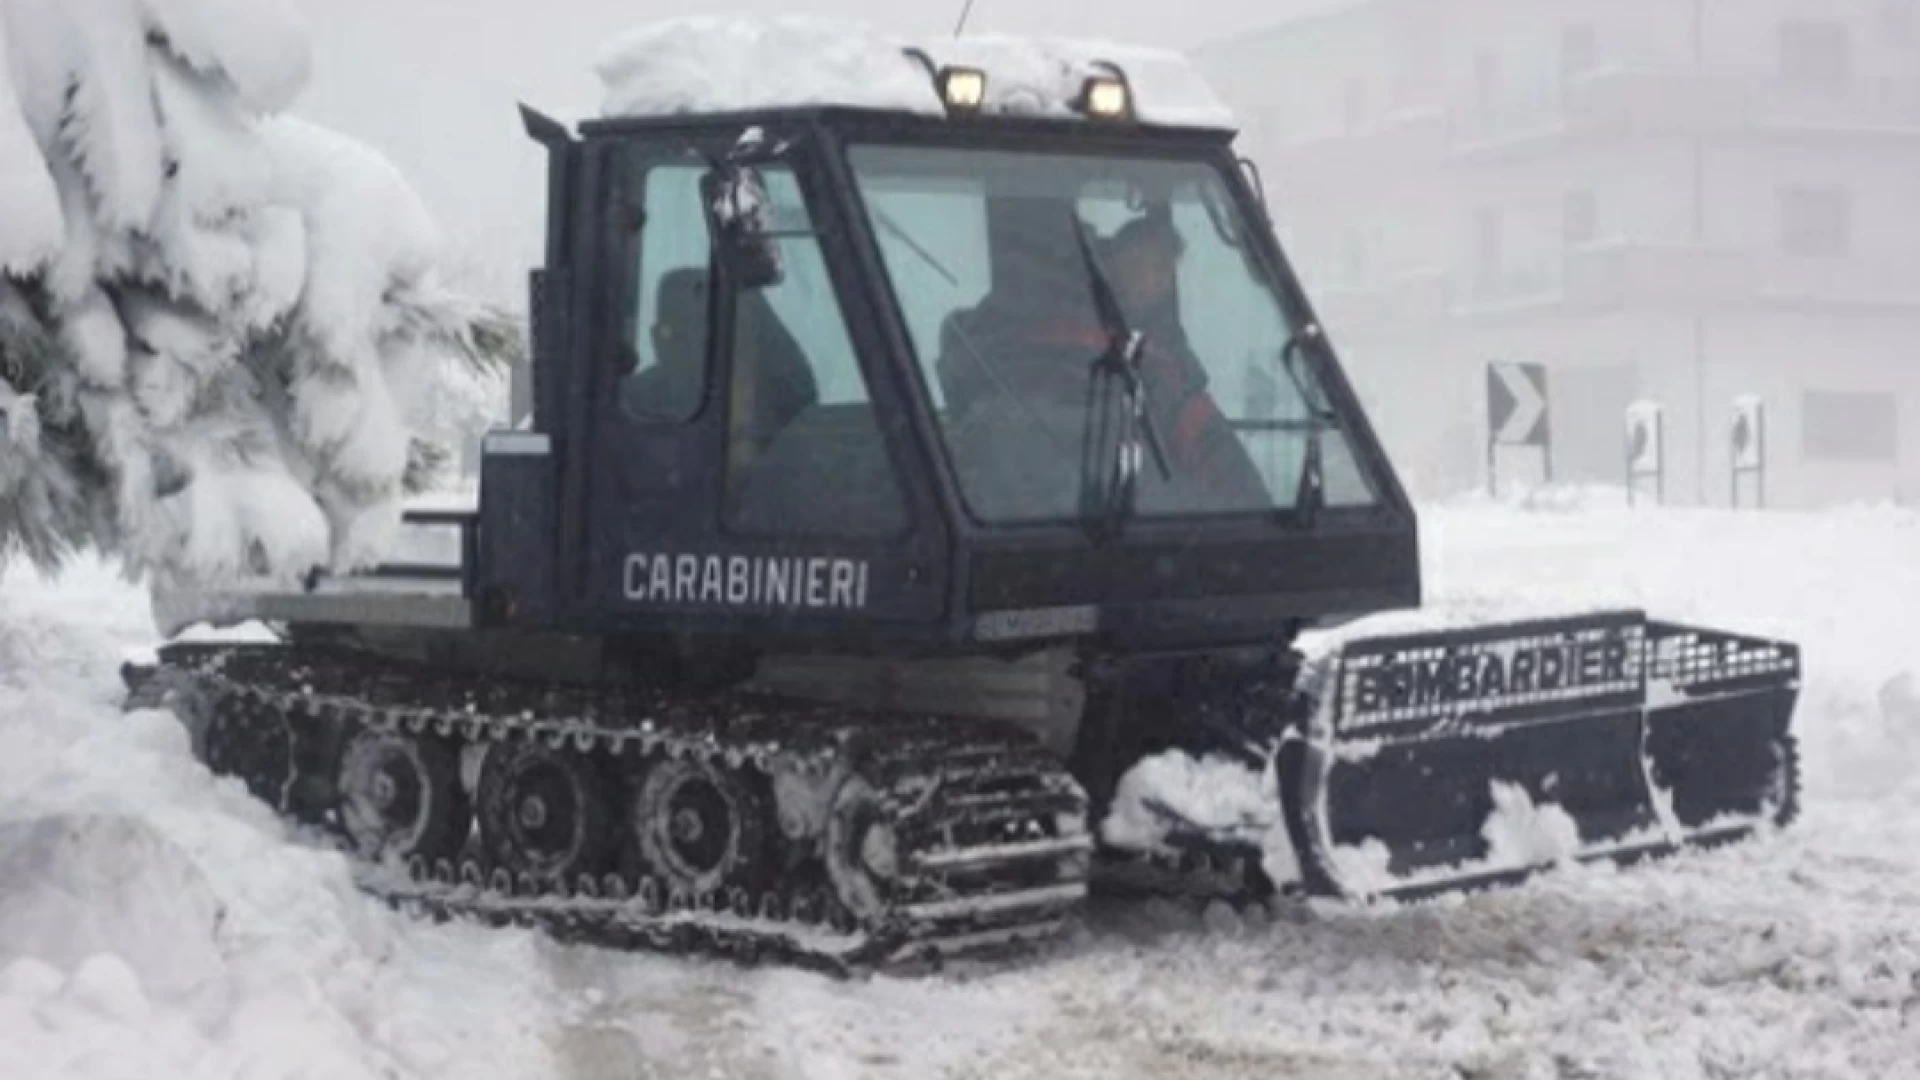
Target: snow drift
(208, 306)
(1797, 956)
(157, 922)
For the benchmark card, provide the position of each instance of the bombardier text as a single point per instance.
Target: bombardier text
(1501, 669)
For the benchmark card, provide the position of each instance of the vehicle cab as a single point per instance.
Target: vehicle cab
(964, 346)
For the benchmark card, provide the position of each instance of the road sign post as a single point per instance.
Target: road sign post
(1747, 443)
(1517, 415)
(1646, 446)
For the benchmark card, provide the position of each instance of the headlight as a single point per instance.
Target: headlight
(1105, 98)
(964, 89)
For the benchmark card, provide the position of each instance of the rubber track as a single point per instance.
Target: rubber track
(936, 778)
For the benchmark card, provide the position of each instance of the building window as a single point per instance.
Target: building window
(1578, 52)
(1897, 20)
(1579, 218)
(1816, 221)
(1815, 53)
(1857, 426)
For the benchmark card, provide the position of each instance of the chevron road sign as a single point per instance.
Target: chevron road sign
(1517, 415)
(1517, 404)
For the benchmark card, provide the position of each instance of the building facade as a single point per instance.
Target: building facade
(1675, 201)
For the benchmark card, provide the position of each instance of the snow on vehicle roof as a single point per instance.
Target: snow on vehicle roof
(1042, 76)
(700, 64)
(735, 63)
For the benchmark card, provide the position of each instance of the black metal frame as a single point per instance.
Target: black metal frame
(1301, 565)
(467, 521)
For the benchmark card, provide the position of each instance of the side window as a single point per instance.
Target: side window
(666, 324)
(805, 455)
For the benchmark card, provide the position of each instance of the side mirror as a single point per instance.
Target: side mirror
(736, 198)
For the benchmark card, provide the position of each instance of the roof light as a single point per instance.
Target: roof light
(1106, 98)
(964, 89)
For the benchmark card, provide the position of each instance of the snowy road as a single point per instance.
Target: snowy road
(235, 950)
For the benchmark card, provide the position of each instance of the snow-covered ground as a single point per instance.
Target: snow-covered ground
(154, 923)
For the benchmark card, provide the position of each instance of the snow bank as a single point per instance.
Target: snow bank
(1175, 792)
(199, 937)
(729, 63)
(146, 904)
(1561, 498)
(156, 922)
(96, 1020)
(1520, 832)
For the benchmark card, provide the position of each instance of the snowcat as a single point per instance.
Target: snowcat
(872, 519)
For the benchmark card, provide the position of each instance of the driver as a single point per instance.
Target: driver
(1142, 261)
(1023, 354)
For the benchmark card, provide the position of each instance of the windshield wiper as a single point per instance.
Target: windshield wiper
(894, 229)
(1310, 490)
(1107, 485)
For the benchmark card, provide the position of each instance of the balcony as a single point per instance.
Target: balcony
(1622, 102)
(1859, 283)
(1610, 276)
(1643, 277)
(1882, 106)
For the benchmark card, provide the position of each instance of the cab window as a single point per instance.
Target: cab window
(664, 340)
(805, 454)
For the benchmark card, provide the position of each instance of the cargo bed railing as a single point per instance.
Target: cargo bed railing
(467, 521)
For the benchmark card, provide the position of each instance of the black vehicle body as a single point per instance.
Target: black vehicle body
(947, 582)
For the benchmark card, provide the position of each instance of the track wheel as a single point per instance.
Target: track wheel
(400, 796)
(698, 826)
(249, 742)
(1782, 804)
(862, 855)
(544, 811)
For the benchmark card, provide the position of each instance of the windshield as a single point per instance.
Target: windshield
(999, 299)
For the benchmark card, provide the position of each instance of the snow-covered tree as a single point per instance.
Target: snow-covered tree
(215, 319)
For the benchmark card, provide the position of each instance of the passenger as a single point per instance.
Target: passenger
(1027, 349)
(772, 379)
(988, 352)
(672, 387)
(1143, 259)
(1016, 401)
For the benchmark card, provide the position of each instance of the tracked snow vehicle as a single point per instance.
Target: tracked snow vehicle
(870, 520)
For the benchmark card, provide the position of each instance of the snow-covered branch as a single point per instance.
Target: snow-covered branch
(215, 320)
